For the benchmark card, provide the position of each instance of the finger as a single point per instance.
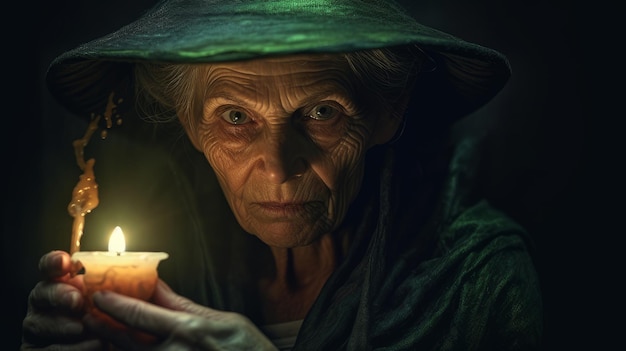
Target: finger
(42, 330)
(156, 324)
(164, 296)
(156, 319)
(58, 265)
(136, 313)
(56, 296)
(117, 333)
(227, 329)
(55, 264)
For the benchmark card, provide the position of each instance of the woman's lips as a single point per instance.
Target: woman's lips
(281, 206)
(286, 209)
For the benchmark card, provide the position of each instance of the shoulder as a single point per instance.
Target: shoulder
(497, 280)
(487, 248)
(480, 288)
(490, 271)
(481, 227)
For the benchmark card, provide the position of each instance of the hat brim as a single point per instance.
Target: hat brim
(467, 75)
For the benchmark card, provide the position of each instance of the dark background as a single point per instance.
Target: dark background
(553, 140)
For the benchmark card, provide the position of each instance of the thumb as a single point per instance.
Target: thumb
(164, 296)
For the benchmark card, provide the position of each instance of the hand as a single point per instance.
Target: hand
(55, 308)
(174, 322)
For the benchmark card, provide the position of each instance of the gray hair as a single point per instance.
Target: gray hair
(166, 91)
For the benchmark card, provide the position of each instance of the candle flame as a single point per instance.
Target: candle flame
(117, 244)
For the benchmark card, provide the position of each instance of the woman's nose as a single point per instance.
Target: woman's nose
(283, 156)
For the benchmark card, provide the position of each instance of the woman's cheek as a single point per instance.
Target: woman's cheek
(214, 140)
(349, 167)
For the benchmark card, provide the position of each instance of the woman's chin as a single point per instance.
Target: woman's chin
(288, 238)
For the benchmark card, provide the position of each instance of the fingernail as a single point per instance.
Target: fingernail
(57, 260)
(49, 260)
(75, 267)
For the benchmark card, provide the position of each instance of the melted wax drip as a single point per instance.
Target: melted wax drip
(85, 193)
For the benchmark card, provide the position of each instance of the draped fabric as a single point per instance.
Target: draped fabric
(476, 290)
(449, 274)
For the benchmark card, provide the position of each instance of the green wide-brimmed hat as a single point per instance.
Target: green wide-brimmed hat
(466, 76)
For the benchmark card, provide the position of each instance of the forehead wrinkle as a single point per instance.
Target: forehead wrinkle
(290, 89)
(236, 88)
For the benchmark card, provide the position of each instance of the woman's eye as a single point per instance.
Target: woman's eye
(235, 117)
(323, 113)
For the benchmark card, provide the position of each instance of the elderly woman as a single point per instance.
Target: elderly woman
(354, 222)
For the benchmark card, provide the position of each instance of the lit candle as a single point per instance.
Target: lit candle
(117, 242)
(129, 273)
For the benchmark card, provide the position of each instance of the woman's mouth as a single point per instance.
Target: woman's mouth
(287, 210)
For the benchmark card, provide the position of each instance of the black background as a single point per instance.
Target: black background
(553, 127)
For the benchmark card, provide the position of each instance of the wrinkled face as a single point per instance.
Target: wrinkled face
(287, 139)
